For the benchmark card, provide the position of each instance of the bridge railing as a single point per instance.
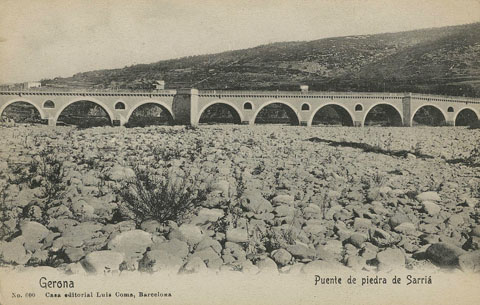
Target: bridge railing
(297, 93)
(338, 94)
(240, 93)
(446, 98)
(84, 91)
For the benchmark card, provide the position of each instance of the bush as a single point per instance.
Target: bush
(161, 197)
(50, 168)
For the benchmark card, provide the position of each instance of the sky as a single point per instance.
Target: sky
(57, 38)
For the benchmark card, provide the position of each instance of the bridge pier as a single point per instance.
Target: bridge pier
(357, 124)
(450, 123)
(185, 107)
(52, 122)
(407, 111)
(304, 123)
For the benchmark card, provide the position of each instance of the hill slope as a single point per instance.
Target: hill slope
(440, 60)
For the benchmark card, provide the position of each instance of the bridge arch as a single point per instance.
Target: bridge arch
(220, 102)
(465, 109)
(86, 99)
(160, 103)
(310, 121)
(290, 106)
(39, 109)
(397, 110)
(428, 105)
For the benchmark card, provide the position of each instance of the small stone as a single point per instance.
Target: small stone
(357, 239)
(151, 226)
(193, 234)
(253, 201)
(221, 186)
(455, 220)
(431, 207)
(405, 228)
(281, 257)
(206, 215)
(285, 211)
(362, 223)
(118, 173)
(283, 199)
(301, 251)
(237, 235)
(428, 196)
(398, 219)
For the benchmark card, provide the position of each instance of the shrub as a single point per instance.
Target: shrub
(161, 197)
(50, 168)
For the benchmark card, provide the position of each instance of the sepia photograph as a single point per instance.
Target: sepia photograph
(239, 151)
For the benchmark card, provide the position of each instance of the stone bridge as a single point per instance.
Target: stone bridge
(186, 106)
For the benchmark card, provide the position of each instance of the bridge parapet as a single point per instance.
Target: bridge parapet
(74, 92)
(297, 94)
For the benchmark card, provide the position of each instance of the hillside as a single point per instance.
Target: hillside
(439, 60)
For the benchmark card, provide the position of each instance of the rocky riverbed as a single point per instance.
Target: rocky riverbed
(262, 198)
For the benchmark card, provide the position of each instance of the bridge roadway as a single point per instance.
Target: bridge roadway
(186, 106)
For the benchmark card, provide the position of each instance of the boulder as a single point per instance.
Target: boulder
(33, 232)
(104, 261)
(390, 259)
(253, 201)
(301, 251)
(428, 196)
(283, 199)
(132, 244)
(444, 254)
(118, 173)
(470, 262)
(206, 215)
(194, 265)
(281, 256)
(431, 208)
(267, 265)
(362, 223)
(173, 247)
(192, 234)
(405, 228)
(159, 260)
(14, 252)
(237, 235)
